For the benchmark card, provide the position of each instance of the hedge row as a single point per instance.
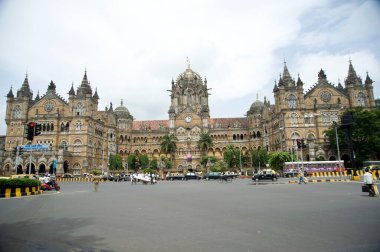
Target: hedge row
(14, 183)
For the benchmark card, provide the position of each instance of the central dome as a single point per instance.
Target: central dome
(121, 109)
(189, 74)
(256, 107)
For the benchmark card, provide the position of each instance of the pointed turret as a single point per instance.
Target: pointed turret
(339, 85)
(368, 80)
(111, 107)
(322, 78)
(96, 96)
(299, 81)
(205, 82)
(280, 82)
(72, 92)
(173, 84)
(10, 94)
(51, 87)
(38, 96)
(352, 78)
(275, 88)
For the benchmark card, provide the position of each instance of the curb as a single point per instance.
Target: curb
(19, 192)
(320, 181)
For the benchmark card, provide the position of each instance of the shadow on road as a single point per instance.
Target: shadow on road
(49, 235)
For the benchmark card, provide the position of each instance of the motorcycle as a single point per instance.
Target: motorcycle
(53, 185)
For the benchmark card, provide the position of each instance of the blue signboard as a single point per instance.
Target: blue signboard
(30, 147)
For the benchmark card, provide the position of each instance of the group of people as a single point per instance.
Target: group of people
(47, 179)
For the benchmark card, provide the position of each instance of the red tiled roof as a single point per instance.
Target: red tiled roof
(225, 122)
(153, 124)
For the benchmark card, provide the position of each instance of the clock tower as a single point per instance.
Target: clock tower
(189, 101)
(189, 116)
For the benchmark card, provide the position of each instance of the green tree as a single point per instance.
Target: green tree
(205, 142)
(277, 159)
(168, 145)
(204, 159)
(133, 162)
(154, 163)
(259, 157)
(115, 162)
(219, 166)
(364, 129)
(144, 161)
(166, 162)
(232, 156)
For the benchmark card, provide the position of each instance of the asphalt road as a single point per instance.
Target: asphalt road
(193, 216)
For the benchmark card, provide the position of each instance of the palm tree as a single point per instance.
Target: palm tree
(168, 145)
(205, 142)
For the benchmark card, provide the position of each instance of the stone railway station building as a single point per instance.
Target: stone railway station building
(81, 137)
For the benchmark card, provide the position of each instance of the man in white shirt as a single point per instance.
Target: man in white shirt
(368, 180)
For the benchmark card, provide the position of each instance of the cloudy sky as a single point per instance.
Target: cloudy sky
(133, 49)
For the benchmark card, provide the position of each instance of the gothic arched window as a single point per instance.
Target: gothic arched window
(292, 101)
(17, 112)
(77, 146)
(361, 99)
(79, 110)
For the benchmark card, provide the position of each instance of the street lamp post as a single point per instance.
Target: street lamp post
(337, 147)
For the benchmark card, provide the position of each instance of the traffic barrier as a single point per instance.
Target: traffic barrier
(320, 181)
(19, 192)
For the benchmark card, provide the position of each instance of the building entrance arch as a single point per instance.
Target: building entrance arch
(65, 167)
(32, 169)
(42, 169)
(19, 169)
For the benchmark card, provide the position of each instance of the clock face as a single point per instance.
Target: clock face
(188, 119)
(49, 106)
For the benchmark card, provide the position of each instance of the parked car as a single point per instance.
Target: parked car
(291, 173)
(175, 176)
(192, 175)
(212, 175)
(67, 175)
(267, 174)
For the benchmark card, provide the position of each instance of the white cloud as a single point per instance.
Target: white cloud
(132, 49)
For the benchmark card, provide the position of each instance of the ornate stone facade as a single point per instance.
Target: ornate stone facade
(81, 137)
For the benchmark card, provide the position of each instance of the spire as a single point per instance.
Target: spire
(121, 103)
(188, 62)
(205, 81)
(38, 95)
(111, 107)
(26, 81)
(368, 80)
(173, 83)
(25, 90)
(85, 81)
(288, 81)
(72, 92)
(339, 84)
(10, 93)
(352, 78)
(96, 96)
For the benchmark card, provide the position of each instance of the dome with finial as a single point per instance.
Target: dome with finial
(256, 106)
(122, 110)
(189, 74)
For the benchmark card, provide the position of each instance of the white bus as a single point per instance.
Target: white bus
(308, 167)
